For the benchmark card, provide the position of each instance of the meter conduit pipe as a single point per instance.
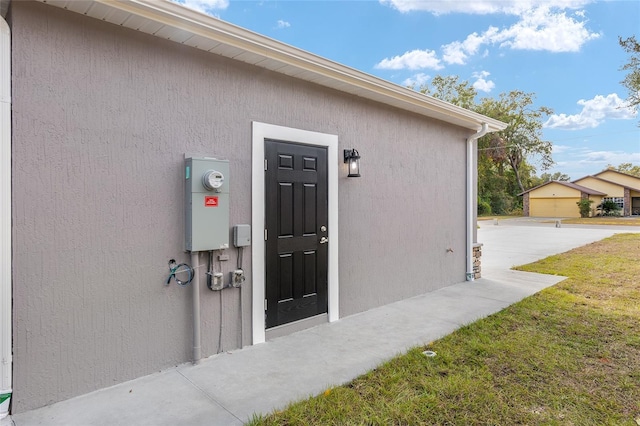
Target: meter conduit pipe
(195, 266)
(6, 359)
(470, 192)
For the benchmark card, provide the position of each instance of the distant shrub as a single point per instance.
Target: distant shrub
(484, 208)
(500, 203)
(609, 208)
(584, 206)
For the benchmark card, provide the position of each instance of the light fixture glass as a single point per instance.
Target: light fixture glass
(352, 158)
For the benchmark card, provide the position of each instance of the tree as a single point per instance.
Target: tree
(627, 168)
(503, 167)
(523, 136)
(632, 80)
(547, 177)
(450, 89)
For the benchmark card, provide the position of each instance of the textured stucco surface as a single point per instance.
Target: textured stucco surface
(102, 118)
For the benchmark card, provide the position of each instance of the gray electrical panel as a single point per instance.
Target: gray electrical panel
(206, 204)
(242, 235)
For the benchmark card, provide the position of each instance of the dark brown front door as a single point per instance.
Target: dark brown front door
(296, 221)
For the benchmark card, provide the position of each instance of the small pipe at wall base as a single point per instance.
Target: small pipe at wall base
(195, 265)
(470, 214)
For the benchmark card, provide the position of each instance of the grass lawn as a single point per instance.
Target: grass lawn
(569, 355)
(622, 221)
(491, 217)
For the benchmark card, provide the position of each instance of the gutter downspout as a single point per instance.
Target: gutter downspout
(6, 360)
(471, 152)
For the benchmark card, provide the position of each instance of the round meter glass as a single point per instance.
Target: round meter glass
(212, 179)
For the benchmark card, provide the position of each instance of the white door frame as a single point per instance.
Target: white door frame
(260, 132)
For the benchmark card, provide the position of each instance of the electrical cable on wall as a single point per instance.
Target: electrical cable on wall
(239, 266)
(210, 271)
(220, 331)
(239, 258)
(179, 268)
(220, 347)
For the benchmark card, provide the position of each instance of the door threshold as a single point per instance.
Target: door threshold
(292, 327)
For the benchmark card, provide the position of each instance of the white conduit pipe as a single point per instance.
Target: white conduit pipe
(6, 360)
(471, 152)
(195, 283)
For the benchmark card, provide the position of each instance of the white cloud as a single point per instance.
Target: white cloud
(204, 6)
(283, 24)
(414, 60)
(610, 157)
(480, 7)
(542, 25)
(482, 83)
(594, 112)
(542, 29)
(417, 80)
(578, 162)
(538, 29)
(559, 149)
(457, 52)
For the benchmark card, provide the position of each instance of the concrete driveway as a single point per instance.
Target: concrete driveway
(519, 241)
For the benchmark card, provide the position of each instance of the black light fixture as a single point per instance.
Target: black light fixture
(352, 158)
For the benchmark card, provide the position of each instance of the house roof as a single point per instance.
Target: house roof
(168, 20)
(615, 171)
(610, 181)
(569, 185)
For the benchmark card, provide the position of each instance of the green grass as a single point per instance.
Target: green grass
(569, 355)
(620, 221)
(491, 217)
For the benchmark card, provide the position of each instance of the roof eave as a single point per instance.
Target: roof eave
(169, 20)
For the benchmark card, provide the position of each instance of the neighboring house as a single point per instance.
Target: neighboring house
(556, 199)
(624, 189)
(108, 98)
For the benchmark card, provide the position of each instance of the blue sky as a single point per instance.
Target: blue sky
(564, 51)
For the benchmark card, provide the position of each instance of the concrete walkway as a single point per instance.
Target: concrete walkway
(229, 388)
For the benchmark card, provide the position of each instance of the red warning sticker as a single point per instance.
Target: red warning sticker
(210, 201)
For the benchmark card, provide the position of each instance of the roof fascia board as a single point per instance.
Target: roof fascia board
(177, 16)
(568, 185)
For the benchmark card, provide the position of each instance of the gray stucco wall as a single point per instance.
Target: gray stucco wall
(102, 117)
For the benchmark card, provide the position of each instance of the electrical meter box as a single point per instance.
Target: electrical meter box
(206, 204)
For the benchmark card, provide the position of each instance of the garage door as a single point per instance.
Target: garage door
(554, 207)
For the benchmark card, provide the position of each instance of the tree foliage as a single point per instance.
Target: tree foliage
(504, 161)
(632, 80)
(548, 177)
(522, 138)
(452, 90)
(584, 205)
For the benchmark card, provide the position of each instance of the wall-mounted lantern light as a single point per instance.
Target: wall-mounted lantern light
(352, 158)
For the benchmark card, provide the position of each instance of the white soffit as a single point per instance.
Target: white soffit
(172, 21)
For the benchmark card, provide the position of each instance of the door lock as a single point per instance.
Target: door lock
(323, 228)
(324, 240)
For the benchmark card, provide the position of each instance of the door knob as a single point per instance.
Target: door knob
(324, 240)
